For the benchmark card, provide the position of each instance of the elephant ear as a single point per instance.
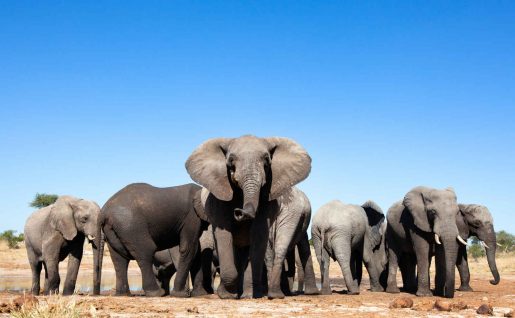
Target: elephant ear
(61, 217)
(207, 166)
(414, 202)
(290, 164)
(376, 221)
(472, 212)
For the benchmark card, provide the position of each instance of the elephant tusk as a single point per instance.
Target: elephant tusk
(484, 244)
(437, 239)
(91, 237)
(462, 241)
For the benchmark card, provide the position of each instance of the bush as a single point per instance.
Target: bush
(505, 242)
(42, 200)
(11, 238)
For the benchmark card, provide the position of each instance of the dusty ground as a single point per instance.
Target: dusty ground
(15, 276)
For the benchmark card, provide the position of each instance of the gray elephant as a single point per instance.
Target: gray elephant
(351, 235)
(425, 221)
(140, 220)
(287, 231)
(55, 232)
(245, 176)
(476, 220)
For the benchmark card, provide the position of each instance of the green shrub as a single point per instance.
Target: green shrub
(42, 200)
(11, 238)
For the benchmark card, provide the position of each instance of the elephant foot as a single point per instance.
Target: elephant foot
(393, 289)
(353, 292)
(275, 294)
(424, 293)
(155, 293)
(180, 293)
(224, 294)
(123, 293)
(311, 291)
(376, 289)
(67, 292)
(196, 292)
(465, 288)
(326, 291)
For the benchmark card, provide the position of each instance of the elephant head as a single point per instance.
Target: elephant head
(70, 215)
(435, 211)
(374, 249)
(256, 167)
(480, 223)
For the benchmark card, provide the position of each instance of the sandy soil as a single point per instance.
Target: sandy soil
(15, 275)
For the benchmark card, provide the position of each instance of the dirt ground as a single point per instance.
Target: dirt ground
(15, 277)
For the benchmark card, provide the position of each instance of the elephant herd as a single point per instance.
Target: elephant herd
(248, 222)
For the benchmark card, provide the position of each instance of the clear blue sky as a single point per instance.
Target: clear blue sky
(384, 95)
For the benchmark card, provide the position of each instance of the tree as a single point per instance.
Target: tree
(11, 239)
(42, 200)
(506, 241)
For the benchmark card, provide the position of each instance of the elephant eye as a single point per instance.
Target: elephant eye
(84, 219)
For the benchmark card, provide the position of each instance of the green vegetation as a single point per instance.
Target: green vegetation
(42, 200)
(505, 244)
(11, 238)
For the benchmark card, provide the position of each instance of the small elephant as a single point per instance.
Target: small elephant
(350, 234)
(55, 232)
(140, 220)
(165, 262)
(422, 224)
(245, 176)
(476, 220)
(287, 231)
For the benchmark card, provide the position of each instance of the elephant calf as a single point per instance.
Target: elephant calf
(350, 234)
(55, 232)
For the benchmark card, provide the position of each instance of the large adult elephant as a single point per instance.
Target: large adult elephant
(351, 235)
(140, 220)
(476, 220)
(287, 231)
(245, 176)
(55, 232)
(425, 221)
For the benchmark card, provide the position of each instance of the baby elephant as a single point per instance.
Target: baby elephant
(350, 234)
(55, 232)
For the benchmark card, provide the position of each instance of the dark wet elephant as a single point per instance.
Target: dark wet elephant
(140, 220)
(476, 220)
(425, 221)
(245, 176)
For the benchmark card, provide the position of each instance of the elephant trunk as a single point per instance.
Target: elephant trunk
(251, 191)
(491, 242)
(451, 254)
(98, 254)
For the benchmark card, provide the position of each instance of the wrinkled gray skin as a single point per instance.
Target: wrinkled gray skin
(140, 220)
(411, 240)
(55, 232)
(350, 234)
(165, 262)
(245, 176)
(288, 231)
(476, 220)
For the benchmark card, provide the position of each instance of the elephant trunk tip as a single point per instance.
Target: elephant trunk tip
(247, 213)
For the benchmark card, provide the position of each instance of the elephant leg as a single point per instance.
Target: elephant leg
(299, 270)
(343, 254)
(257, 252)
(358, 265)
(46, 287)
(198, 276)
(120, 264)
(52, 268)
(323, 261)
(207, 270)
(393, 263)
(228, 288)
(306, 267)
(188, 247)
(422, 252)
(288, 273)
(463, 269)
(245, 273)
(439, 271)
(73, 267)
(408, 270)
(35, 267)
(142, 248)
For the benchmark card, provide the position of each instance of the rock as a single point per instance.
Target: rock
(402, 302)
(26, 301)
(193, 310)
(424, 305)
(509, 314)
(442, 305)
(485, 309)
(459, 305)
